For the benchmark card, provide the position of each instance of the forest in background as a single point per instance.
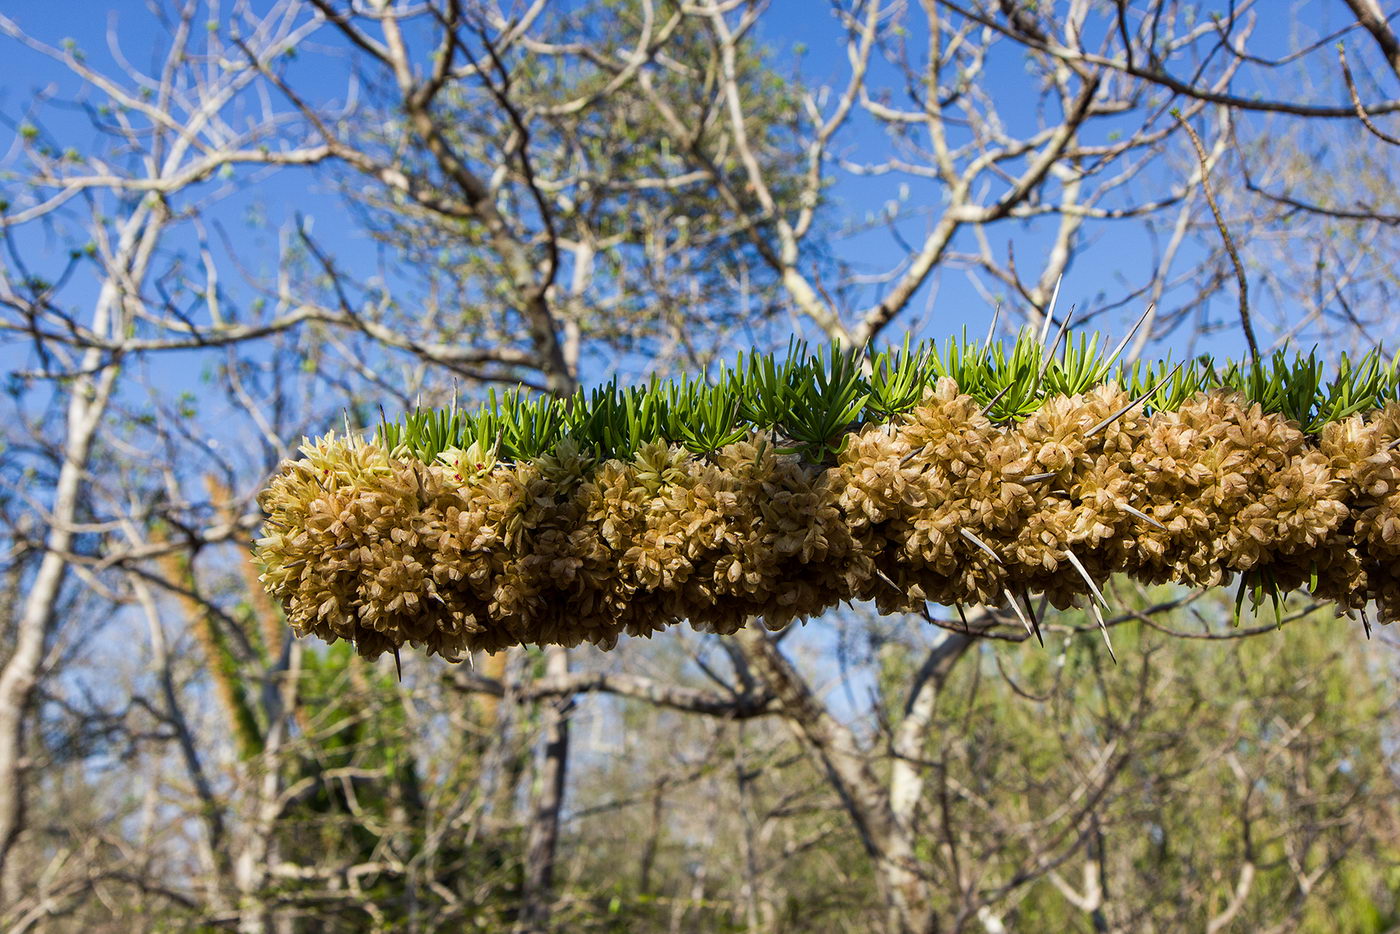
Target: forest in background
(227, 226)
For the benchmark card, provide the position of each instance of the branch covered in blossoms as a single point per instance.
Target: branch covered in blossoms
(970, 474)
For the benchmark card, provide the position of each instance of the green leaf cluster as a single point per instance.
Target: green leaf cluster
(810, 401)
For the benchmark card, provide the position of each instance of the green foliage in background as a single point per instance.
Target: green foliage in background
(1283, 744)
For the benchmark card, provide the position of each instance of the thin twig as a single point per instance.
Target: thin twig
(1360, 108)
(1224, 234)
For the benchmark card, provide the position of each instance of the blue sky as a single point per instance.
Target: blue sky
(801, 34)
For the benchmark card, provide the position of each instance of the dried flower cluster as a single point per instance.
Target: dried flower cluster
(939, 504)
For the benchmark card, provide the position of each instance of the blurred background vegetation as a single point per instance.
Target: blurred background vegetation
(229, 226)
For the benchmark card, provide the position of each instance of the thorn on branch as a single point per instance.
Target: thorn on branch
(1037, 477)
(1103, 628)
(1050, 310)
(1084, 573)
(1011, 598)
(1131, 405)
(980, 544)
(997, 398)
(1035, 621)
(1133, 510)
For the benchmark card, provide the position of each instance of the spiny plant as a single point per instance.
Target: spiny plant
(963, 472)
(939, 504)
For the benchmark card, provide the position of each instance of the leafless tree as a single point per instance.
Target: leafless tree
(550, 192)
